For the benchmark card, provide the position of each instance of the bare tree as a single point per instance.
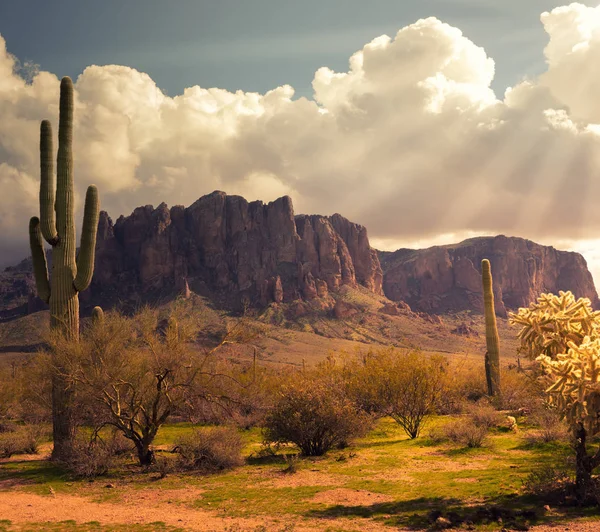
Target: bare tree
(134, 373)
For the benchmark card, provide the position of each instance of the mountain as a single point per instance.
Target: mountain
(234, 251)
(238, 253)
(444, 279)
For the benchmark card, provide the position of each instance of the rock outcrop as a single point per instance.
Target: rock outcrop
(448, 278)
(234, 250)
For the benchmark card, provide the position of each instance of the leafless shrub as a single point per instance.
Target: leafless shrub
(550, 428)
(89, 459)
(210, 450)
(466, 432)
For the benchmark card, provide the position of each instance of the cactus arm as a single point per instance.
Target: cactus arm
(47, 192)
(85, 259)
(40, 269)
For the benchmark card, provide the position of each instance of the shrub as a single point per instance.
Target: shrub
(23, 440)
(89, 459)
(404, 385)
(210, 449)
(519, 390)
(315, 415)
(463, 383)
(483, 414)
(550, 427)
(547, 481)
(466, 432)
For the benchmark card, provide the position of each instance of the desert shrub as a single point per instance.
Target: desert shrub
(315, 415)
(519, 390)
(404, 385)
(88, 459)
(463, 383)
(483, 414)
(8, 426)
(550, 428)
(436, 435)
(23, 440)
(210, 449)
(547, 481)
(466, 432)
(291, 463)
(136, 373)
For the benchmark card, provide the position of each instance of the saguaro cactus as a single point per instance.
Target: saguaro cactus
(70, 274)
(492, 355)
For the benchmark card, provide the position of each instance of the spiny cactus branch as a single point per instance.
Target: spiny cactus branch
(47, 185)
(38, 255)
(85, 259)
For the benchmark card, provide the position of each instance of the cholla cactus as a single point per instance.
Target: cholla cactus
(574, 379)
(549, 325)
(562, 334)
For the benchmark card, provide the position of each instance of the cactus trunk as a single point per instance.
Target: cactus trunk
(492, 355)
(70, 273)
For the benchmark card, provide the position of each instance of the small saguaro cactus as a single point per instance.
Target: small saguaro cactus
(492, 355)
(71, 274)
(97, 315)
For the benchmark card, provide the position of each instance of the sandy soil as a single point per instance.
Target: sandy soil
(145, 507)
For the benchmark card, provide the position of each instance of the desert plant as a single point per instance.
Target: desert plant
(547, 482)
(404, 385)
(210, 449)
(563, 334)
(23, 440)
(549, 426)
(314, 415)
(133, 374)
(483, 414)
(466, 432)
(88, 458)
(492, 339)
(71, 274)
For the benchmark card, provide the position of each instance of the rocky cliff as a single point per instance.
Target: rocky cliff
(238, 252)
(233, 250)
(448, 278)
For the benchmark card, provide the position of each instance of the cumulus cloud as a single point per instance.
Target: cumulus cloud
(410, 141)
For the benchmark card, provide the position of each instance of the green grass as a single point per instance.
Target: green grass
(412, 477)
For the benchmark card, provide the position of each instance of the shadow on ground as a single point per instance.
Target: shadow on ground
(510, 513)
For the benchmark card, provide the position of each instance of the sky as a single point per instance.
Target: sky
(428, 121)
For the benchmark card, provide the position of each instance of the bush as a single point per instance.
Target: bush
(550, 427)
(89, 459)
(404, 385)
(24, 440)
(210, 450)
(547, 481)
(315, 415)
(462, 384)
(466, 432)
(483, 414)
(519, 390)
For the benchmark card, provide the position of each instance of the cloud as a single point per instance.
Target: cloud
(410, 141)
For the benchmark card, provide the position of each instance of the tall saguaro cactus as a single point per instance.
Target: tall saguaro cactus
(70, 273)
(492, 355)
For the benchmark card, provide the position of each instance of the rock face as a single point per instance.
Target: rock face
(448, 278)
(226, 247)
